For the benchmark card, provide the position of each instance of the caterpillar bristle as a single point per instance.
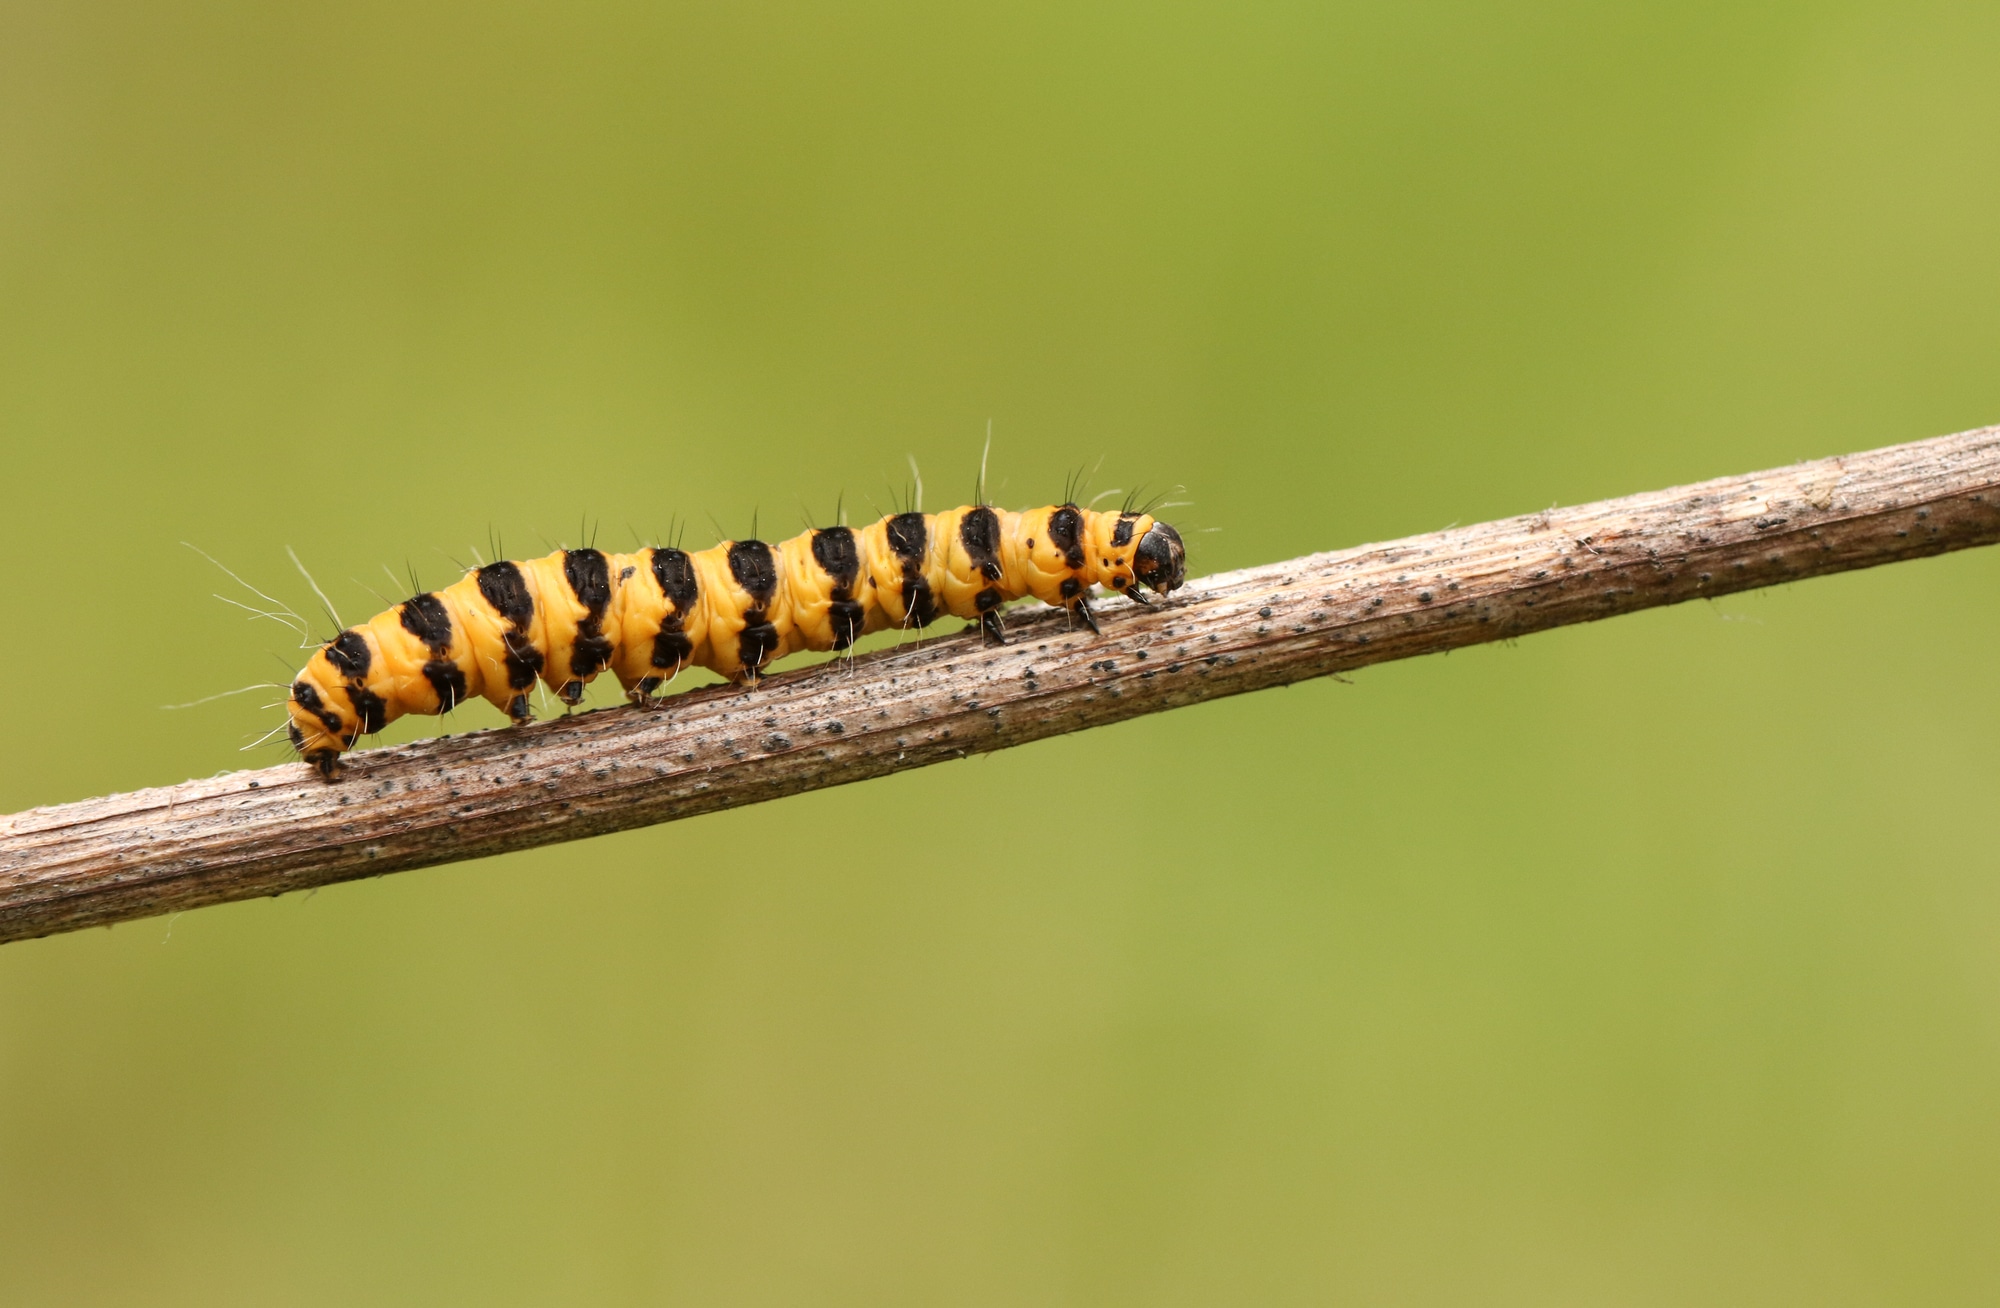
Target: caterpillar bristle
(330, 611)
(280, 612)
(506, 629)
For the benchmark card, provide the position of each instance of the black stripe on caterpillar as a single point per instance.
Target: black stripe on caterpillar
(733, 609)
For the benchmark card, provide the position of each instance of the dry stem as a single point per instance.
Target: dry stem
(107, 860)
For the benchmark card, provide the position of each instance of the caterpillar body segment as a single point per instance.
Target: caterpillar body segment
(566, 617)
(823, 571)
(656, 591)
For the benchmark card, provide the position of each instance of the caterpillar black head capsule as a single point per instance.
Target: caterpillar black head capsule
(1161, 560)
(322, 725)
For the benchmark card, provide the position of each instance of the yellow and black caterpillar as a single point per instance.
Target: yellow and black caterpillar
(732, 609)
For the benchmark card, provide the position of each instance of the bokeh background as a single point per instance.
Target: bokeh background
(1655, 962)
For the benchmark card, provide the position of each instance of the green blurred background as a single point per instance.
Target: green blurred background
(1648, 963)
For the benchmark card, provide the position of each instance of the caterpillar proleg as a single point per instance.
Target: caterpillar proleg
(733, 609)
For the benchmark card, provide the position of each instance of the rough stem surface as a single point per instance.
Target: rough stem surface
(265, 832)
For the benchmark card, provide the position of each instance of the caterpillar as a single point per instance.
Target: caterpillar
(733, 609)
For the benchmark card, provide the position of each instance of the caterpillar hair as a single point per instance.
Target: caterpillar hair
(732, 609)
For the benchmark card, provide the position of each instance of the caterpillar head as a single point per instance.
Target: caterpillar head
(318, 729)
(329, 706)
(1161, 559)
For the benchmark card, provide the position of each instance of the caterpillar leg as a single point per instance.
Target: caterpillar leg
(847, 619)
(1081, 609)
(992, 631)
(570, 692)
(760, 644)
(518, 712)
